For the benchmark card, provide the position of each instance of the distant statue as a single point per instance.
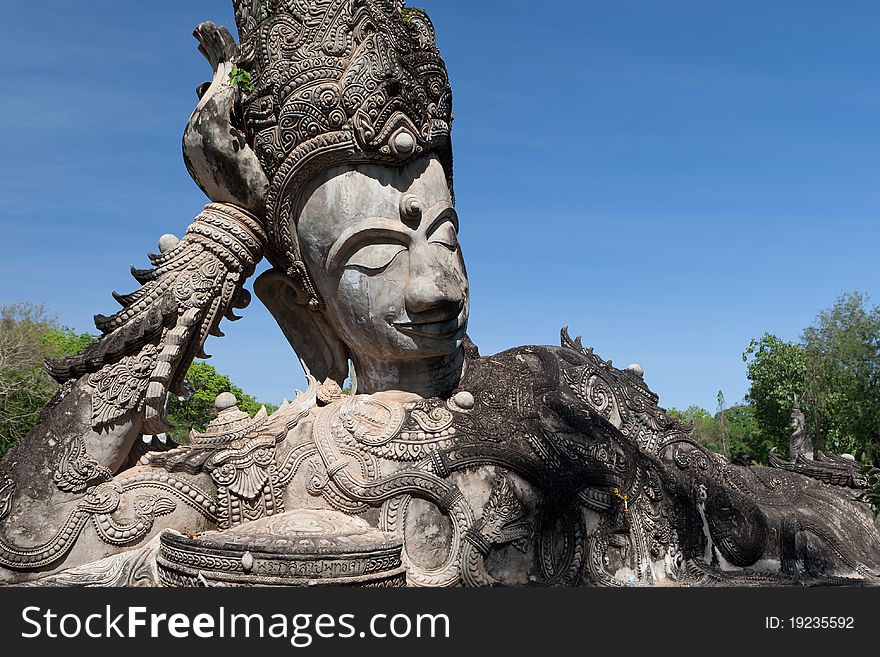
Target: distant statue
(541, 465)
(800, 443)
(833, 469)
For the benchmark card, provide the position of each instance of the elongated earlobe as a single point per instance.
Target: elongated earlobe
(307, 331)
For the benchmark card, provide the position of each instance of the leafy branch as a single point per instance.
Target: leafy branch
(241, 79)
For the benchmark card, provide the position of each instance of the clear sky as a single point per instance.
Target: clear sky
(670, 179)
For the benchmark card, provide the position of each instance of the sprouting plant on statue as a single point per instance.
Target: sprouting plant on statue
(240, 78)
(408, 14)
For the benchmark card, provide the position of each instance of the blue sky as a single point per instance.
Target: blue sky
(670, 179)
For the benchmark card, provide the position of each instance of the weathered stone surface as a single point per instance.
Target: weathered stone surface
(133, 569)
(61, 508)
(215, 147)
(800, 443)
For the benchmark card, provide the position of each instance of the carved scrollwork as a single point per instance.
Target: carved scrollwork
(323, 484)
(119, 389)
(103, 499)
(187, 491)
(433, 420)
(396, 433)
(620, 396)
(246, 476)
(352, 486)
(76, 470)
(503, 522)
(372, 422)
(827, 468)
(738, 527)
(147, 508)
(298, 548)
(7, 491)
(448, 573)
(135, 568)
(562, 551)
(337, 82)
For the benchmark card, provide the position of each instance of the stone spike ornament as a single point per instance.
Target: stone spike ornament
(337, 82)
(148, 346)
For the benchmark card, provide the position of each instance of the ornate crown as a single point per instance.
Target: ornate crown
(336, 82)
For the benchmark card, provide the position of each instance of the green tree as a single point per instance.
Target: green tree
(704, 428)
(833, 375)
(730, 432)
(744, 432)
(62, 342)
(29, 335)
(843, 359)
(778, 372)
(197, 410)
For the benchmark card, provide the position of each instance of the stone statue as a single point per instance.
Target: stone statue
(443, 467)
(835, 470)
(800, 443)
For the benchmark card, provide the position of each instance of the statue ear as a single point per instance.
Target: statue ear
(309, 333)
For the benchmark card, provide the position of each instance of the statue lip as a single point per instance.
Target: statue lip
(442, 329)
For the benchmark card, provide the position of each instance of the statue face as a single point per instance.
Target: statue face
(381, 245)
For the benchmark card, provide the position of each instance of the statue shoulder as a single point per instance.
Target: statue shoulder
(564, 365)
(594, 385)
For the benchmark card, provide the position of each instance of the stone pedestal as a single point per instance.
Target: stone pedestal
(300, 548)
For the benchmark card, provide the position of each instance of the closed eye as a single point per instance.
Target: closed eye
(445, 235)
(375, 258)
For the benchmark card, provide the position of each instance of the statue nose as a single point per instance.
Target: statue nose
(434, 292)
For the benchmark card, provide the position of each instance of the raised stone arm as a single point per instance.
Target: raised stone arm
(116, 390)
(148, 346)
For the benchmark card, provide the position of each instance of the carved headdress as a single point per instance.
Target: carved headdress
(337, 82)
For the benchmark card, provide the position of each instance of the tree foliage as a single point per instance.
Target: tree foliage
(29, 335)
(197, 410)
(843, 366)
(831, 374)
(238, 77)
(730, 432)
(778, 372)
(871, 494)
